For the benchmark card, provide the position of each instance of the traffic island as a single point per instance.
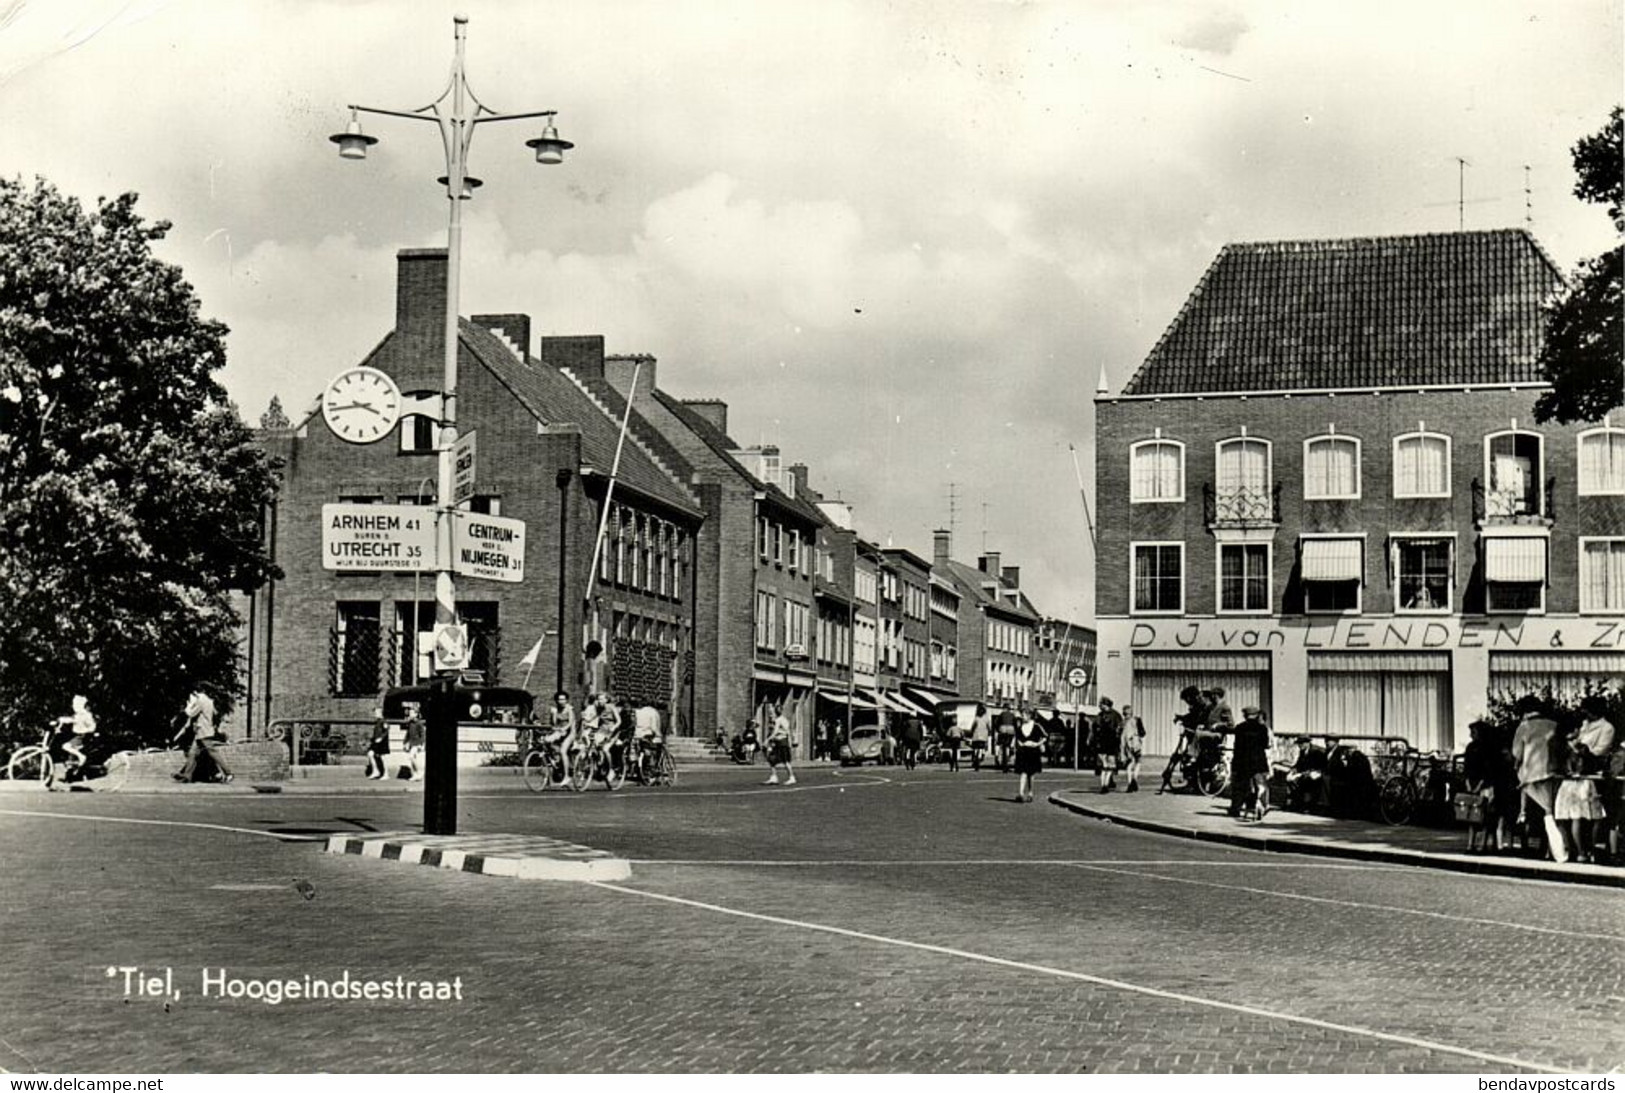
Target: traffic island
(526, 857)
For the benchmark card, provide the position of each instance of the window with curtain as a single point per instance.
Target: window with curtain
(1602, 575)
(1422, 465)
(1414, 705)
(1158, 577)
(1244, 577)
(1602, 461)
(1422, 574)
(1243, 479)
(1331, 468)
(1157, 471)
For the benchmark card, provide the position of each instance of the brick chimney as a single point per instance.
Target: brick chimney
(582, 354)
(713, 410)
(512, 328)
(619, 367)
(942, 545)
(798, 471)
(989, 563)
(420, 291)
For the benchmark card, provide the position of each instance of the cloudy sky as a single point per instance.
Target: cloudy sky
(901, 239)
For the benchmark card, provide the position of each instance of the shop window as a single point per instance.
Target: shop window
(1244, 577)
(1158, 575)
(1422, 575)
(1602, 461)
(1602, 575)
(1422, 465)
(1157, 471)
(1331, 468)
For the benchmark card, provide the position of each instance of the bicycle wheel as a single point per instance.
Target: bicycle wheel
(666, 769)
(615, 770)
(1396, 801)
(116, 773)
(537, 769)
(30, 764)
(581, 770)
(1214, 780)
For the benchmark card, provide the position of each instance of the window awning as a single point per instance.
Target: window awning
(1379, 662)
(1333, 560)
(1600, 665)
(924, 699)
(903, 704)
(854, 701)
(1201, 662)
(1518, 559)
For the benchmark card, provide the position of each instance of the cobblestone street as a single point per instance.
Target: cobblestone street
(869, 921)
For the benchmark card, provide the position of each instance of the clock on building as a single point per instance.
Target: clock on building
(361, 405)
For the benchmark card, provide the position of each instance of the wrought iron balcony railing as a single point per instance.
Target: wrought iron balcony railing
(1512, 506)
(1241, 507)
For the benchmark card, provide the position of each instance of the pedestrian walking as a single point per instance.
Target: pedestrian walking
(1108, 742)
(981, 733)
(197, 725)
(1579, 802)
(1250, 766)
(413, 743)
(1005, 725)
(1029, 759)
(952, 736)
(1132, 748)
(378, 746)
(1536, 749)
(913, 736)
(779, 747)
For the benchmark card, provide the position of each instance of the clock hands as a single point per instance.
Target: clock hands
(359, 406)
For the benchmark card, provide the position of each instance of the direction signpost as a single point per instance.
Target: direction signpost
(492, 547)
(462, 469)
(378, 538)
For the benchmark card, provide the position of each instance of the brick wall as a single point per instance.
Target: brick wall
(1375, 419)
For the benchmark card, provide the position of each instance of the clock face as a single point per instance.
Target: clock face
(361, 405)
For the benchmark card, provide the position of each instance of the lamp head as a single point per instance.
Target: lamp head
(550, 148)
(353, 143)
(470, 184)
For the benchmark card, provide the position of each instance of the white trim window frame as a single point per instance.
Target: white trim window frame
(1612, 577)
(1149, 485)
(1416, 487)
(1359, 585)
(1247, 579)
(1423, 601)
(1160, 579)
(1236, 489)
(1532, 491)
(1325, 489)
(1606, 477)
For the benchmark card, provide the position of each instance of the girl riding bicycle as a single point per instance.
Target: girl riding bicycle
(65, 740)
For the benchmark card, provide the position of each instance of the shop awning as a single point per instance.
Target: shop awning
(1333, 560)
(1201, 662)
(1599, 665)
(924, 699)
(1379, 662)
(1521, 559)
(901, 704)
(853, 700)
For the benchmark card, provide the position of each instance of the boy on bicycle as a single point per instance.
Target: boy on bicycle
(64, 744)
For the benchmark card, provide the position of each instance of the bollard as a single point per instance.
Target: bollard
(440, 758)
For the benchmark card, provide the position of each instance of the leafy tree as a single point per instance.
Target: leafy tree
(1583, 355)
(130, 492)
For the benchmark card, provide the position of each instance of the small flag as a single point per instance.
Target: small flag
(530, 657)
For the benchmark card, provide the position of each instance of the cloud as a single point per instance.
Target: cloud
(1214, 30)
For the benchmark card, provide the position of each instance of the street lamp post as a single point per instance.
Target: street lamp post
(456, 112)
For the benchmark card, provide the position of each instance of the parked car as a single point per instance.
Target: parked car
(862, 745)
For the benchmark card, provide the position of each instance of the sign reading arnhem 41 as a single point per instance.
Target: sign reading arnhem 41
(377, 537)
(492, 547)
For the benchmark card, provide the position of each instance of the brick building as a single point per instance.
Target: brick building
(905, 583)
(1325, 490)
(1060, 647)
(324, 642)
(997, 627)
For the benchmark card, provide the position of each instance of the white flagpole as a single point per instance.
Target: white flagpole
(609, 491)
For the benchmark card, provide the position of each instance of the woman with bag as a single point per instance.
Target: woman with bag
(1476, 807)
(1578, 800)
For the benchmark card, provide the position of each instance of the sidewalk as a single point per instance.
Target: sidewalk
(1192, 816)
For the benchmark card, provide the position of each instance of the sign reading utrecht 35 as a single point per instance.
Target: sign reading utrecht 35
(377, 537)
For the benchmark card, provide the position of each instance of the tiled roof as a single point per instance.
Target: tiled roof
(969, 579)
(723, 445)
(1452, 309)
(554, 398)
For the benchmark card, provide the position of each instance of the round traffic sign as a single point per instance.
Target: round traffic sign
(1077, 677)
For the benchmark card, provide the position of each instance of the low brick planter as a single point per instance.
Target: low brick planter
(252, 761)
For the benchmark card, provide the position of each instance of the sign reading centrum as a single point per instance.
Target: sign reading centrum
(492, 547)
(377, 537)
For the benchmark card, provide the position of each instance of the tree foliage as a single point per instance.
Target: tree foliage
(1583, 355)
(130, 492)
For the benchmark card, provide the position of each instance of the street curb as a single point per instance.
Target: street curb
(524, 857)
(1486, 867)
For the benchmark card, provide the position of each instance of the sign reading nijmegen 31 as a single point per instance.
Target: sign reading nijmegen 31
(492, 547)
(377, 537)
